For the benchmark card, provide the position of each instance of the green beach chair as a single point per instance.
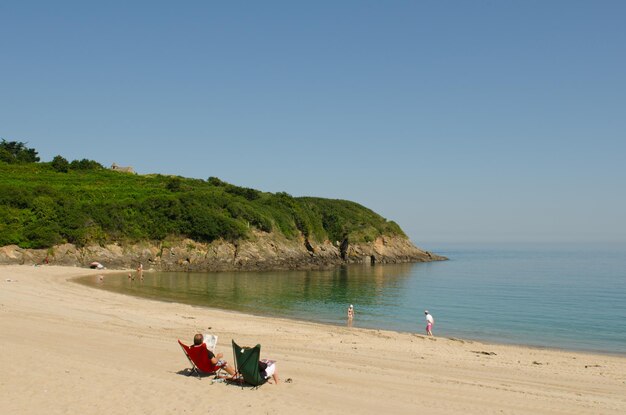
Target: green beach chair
(247, 364)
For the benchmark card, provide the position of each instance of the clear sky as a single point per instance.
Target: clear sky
(460, 120)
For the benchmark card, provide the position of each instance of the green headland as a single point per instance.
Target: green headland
(80, 202)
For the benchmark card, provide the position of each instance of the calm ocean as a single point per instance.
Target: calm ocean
(566, 296)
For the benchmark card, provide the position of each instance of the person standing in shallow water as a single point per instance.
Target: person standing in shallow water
(430, 321)
(350, 314)
(140, 271)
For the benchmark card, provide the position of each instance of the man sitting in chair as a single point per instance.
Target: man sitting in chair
(198, 341)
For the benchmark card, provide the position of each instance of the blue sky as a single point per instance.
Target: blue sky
(460, 120)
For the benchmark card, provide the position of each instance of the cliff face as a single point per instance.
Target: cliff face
(264, 251)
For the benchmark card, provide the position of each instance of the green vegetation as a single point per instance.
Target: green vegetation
(16, 152)
(80, 202)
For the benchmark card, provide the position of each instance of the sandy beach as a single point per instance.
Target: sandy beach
(68, 349)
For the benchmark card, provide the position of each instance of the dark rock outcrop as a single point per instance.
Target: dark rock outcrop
(264, 251)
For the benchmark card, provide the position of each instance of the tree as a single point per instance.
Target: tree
(60, 164)
(17, 152)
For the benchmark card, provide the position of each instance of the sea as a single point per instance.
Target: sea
(563, 296)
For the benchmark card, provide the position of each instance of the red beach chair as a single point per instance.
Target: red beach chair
(199, 358)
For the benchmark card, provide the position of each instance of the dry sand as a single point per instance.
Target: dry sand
(67, 348)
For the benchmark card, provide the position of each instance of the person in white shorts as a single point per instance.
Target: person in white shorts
(268, 370)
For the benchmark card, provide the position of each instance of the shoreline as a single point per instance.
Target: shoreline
(331, 324)
(99, 351)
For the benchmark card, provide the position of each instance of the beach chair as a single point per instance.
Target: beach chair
(247, 364)
(199, 359)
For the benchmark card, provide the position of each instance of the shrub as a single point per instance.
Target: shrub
(60, 164)
(174, 184)
(85, 164)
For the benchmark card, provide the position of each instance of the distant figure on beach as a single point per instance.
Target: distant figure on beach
(430, 321)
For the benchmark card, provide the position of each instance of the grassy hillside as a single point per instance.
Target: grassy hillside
(43, 204)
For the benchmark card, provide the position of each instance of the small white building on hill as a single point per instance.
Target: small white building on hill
(121, 169)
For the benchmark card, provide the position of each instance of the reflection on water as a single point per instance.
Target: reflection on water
(318, 295)
(538, 295)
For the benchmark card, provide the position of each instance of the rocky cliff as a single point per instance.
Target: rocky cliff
(264, 251)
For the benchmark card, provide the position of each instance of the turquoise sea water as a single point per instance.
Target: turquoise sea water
(567, 296)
